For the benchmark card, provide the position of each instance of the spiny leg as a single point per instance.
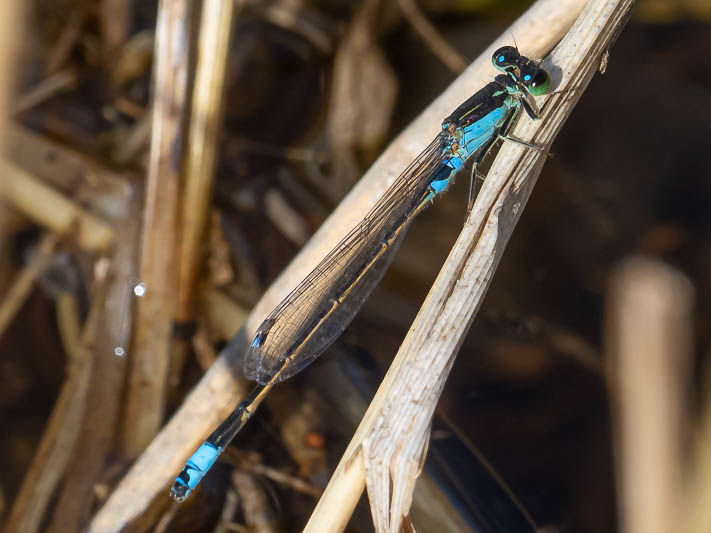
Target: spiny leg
(561, 91)
(476, 175)
(486, 148)
(536, 147)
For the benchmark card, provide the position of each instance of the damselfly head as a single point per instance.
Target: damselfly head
(534, 79)
(506, 58)
(522, 70)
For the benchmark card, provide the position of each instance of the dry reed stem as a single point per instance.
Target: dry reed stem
(152, 338)
(11, 24)
(388, 448)
(649, 355)
(205, 122)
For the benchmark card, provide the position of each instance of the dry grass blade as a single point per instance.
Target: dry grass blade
(152, 336)
(115, 23)
(446, 53)
(389, 445)
(50, 209)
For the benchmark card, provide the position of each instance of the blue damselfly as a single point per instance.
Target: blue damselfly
(317, 311)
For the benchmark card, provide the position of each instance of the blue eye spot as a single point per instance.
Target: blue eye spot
(500, 59)
(527, 77)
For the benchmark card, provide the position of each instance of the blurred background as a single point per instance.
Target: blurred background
(313, 91)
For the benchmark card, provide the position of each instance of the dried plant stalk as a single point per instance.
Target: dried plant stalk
(649, 355)
(205, 121)
(145, 395)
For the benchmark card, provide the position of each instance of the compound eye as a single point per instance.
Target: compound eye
(535, 79)
(504, 57)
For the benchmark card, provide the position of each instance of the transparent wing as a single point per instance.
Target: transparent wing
(317, 311)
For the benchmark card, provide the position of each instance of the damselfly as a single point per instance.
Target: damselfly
(324, 303)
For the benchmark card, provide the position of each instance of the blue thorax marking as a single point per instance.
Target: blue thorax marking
(477, 134)
(468, 140)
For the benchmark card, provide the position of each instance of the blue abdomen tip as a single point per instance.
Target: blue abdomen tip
(193, 471)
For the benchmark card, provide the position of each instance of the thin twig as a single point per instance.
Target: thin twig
(282, 478)
(446, 53)
(285, 218)
(47, 88)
